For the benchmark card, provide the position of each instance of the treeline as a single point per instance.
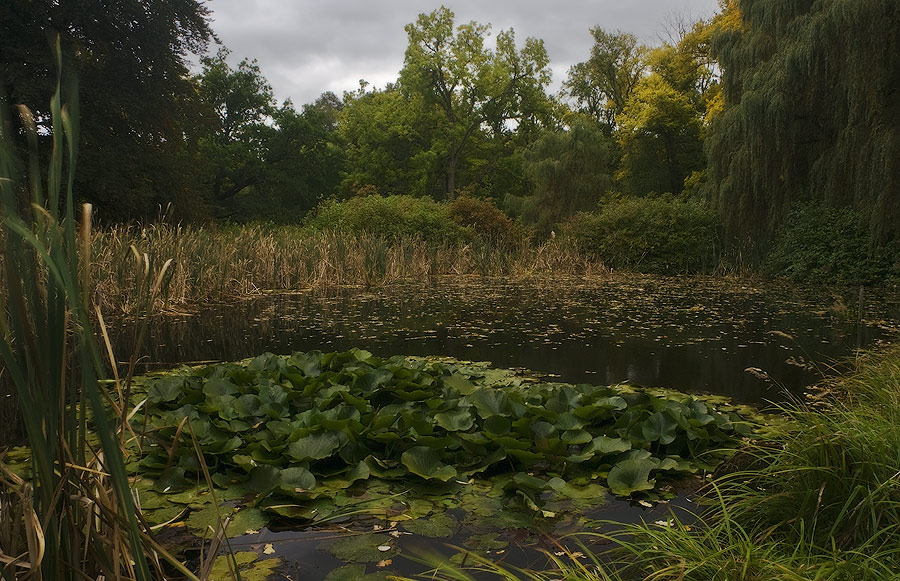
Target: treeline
(767, 135)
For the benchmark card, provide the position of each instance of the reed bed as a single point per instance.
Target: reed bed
(221, 263)
(69, 512)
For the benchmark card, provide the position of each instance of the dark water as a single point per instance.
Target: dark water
(692, 334)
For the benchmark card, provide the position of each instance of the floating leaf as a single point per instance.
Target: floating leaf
(426, 463)
(314, 446)
(660, 427)
(630, 476)
(455, 420)
(460, 384)
(363, 548)
(497, 425)
(172, 481)
(297, 478)
(352, 572)
(250, 567)
(490, 402)
(436, 526)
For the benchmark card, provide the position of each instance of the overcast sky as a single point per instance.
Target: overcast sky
(306, 47)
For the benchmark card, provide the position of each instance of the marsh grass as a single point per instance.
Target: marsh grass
(220, 263)
(820, 500)
(72, 514)
(77, 508)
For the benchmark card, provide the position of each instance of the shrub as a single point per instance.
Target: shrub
(660, 235)
(482, 217)
(818, 244)
(388, 216)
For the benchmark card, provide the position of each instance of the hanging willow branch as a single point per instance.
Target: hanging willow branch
(812, 113)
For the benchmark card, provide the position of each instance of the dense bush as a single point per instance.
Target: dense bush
(483, 218)
(389, 216)
(661, 235)
(822, 244)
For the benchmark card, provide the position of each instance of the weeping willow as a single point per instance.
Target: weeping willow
(812, 114)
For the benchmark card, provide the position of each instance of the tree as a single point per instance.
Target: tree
(303, 158)
(137, 104)
(660, 136)
(242, 104)
(602, 85)
(662, 125)
(571, 170)
(265, 161)
(388, 137)
(811, 113)
(482, 96)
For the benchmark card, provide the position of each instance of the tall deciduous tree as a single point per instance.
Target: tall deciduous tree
(482, 95)
(137, 104)
(241, 102)
(662, 126)
(812, 113)
(660, 139)
(265, 161)
(602, 85)
(388, 137)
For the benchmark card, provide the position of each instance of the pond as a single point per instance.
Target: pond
(701, 335)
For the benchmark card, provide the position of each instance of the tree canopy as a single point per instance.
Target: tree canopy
(262, 159)
(137, 102)
(602, 84)
(483, 96)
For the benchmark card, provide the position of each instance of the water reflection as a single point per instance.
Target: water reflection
(697, 335)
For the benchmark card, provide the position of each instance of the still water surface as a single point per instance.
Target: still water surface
(691, 334)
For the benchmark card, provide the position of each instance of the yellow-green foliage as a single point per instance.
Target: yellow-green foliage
(388, 217)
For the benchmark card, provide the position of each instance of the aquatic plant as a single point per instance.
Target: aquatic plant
(225, 262)
(818, 498)
(299, 432)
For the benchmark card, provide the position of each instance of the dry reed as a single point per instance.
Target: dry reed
(221, 263)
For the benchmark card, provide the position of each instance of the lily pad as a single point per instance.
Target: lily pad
(436, 526)
(206, 520)
(249, 565)
(426, 463)
(630, 476)
(369, 548)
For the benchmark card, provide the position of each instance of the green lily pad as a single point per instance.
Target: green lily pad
(367, 548)
(455, 420)
(205, 521)
(630, 476)
(352, 572)
(436, 526)
(486, 542)
(660, 427)
(249, 565)
(426, 463)
(314, 447)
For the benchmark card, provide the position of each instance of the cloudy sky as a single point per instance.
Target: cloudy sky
(306, 47)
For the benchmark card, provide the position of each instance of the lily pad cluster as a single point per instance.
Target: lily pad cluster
(307, 426)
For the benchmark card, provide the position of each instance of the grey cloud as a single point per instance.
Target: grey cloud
(307, 47)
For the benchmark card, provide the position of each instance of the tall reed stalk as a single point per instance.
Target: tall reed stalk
(77, 509)
(220, 263)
